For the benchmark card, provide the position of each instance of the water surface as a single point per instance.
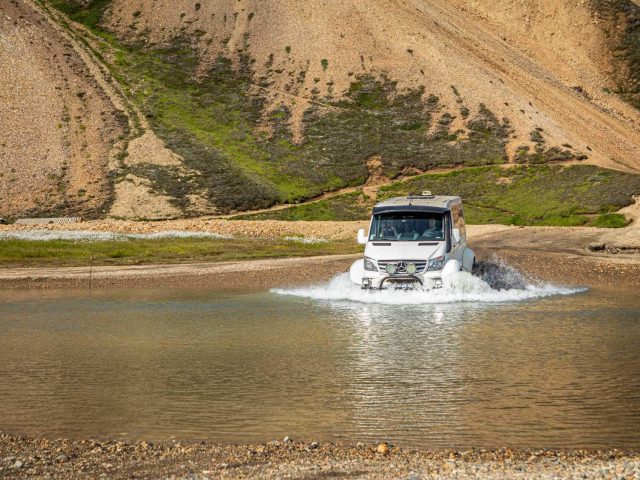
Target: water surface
(560, 368)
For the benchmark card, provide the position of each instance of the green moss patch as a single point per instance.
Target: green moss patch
(610, 220)
(535, 195)
(89, 12)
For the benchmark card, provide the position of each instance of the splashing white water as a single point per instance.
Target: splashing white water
(461, 287)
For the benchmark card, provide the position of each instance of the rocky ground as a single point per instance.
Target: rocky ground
(22, 457)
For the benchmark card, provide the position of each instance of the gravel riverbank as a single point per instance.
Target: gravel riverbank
(22, 457)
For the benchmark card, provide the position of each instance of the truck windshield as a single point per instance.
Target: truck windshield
(407, 226)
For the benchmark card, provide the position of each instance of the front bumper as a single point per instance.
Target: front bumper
(371, 281)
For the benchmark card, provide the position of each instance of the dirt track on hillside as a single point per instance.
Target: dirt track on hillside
(59, 128)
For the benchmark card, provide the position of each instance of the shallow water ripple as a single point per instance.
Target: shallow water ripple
(557, 370)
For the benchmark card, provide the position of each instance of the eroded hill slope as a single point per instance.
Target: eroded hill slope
(58, 128)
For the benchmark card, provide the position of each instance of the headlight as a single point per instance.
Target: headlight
(370, 265)
(411, 268)
(435, 264)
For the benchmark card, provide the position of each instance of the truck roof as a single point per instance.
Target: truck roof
(427, 203)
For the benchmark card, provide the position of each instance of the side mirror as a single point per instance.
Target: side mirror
(362, 238)
(455, 233)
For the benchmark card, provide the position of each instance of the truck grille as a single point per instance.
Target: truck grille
(420, 265)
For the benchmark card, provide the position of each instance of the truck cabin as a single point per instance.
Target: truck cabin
(422, 218)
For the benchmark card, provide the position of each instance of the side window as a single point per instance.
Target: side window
(458, 219)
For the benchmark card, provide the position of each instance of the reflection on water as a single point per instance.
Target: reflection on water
(559, 371)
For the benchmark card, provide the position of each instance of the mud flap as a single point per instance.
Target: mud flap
(468, 259)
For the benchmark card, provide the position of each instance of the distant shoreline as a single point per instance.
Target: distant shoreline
(557, 267)
(554, 254)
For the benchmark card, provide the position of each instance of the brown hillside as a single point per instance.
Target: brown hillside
(541, 64)
(134, 127)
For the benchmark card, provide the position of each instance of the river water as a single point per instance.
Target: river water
(538, 366)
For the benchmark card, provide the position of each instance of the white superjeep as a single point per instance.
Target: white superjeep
(415, 240)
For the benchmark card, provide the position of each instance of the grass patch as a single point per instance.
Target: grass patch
(525, 195)
(170, 250)
(89, 12)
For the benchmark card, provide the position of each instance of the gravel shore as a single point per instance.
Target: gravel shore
(237, 275)
(22, 457)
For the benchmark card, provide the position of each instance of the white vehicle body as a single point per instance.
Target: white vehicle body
(413, 241)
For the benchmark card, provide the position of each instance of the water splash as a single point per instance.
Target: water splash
(493, 283)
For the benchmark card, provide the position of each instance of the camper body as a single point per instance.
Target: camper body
(414, 241)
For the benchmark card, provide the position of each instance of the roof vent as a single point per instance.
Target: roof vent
(422, 196)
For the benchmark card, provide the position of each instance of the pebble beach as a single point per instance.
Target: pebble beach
(23, 457)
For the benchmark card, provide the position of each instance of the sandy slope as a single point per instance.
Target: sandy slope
(57, 126)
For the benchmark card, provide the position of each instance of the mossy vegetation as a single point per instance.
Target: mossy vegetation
(540, 154)
(212, 118)
(166, 250)
(375, 119)
(610, 220)
(523, 195)
(89, 12)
